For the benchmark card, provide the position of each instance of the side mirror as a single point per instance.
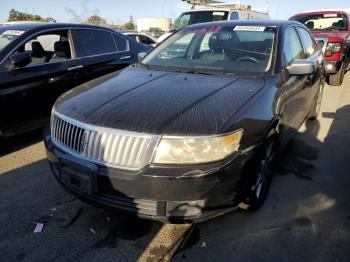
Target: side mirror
(301, 67)
(20, 60)
(141, 55)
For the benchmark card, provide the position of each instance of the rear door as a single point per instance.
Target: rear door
(28, 93)
(98, 53)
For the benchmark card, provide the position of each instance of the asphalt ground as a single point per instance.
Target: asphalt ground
(306, 216)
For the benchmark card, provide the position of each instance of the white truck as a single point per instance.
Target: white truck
(214, 13)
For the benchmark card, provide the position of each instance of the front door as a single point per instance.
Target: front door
(298, 89)
(27, 94)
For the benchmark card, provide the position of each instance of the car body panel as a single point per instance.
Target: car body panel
(28, 93)
(128, 100)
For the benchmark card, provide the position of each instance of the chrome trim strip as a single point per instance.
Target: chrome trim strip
(100, 129)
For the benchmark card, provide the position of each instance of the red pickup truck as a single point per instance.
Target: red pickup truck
(331, 29)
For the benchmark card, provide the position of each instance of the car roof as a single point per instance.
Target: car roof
(339, 10)
(48, 26)
(221, 9)
(277, 23)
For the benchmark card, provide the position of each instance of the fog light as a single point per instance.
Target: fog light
(329, 67)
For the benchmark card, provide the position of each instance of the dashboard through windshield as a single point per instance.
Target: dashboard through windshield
(244, 50)
(191, 18)
(332, 21)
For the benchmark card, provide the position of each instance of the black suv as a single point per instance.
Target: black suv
(39, 62)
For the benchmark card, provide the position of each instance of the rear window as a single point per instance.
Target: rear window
(121, 42)
(197, 17)
(328, 21)
(93, 42)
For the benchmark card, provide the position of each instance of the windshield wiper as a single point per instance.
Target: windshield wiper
(196, 72)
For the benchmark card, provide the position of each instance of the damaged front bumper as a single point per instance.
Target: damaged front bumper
(175, 194)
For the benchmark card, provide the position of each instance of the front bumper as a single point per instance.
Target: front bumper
(173, 194)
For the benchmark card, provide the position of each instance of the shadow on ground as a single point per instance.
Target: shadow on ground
(307, 214)
(73, 231)
(12, 144)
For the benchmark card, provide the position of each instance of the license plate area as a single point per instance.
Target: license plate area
(78, 176)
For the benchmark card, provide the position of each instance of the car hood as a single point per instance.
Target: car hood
(159, 102)
(327, 34)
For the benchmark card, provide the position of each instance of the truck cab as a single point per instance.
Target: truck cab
(212, 14)
(331, 29)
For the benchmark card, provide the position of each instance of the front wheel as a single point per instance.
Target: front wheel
(261, 175)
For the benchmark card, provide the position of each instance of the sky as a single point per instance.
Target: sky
(119, 11)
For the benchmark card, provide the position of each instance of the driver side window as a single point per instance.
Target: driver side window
(47, 48)
(292, 46)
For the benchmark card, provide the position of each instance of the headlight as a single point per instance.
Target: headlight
(194, 150)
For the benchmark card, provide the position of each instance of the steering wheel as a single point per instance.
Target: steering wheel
(248, 59)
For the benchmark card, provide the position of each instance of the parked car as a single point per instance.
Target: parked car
(142, 38)
(190, 134)
(204, 15)
(331, 28)
(39, 62)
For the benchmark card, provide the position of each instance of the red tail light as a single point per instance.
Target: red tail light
(334, 48)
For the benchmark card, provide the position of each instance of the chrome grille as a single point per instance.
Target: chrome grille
(110, 147)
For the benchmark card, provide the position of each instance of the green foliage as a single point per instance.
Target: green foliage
(95, 20)
(15, 15)
(129, 26)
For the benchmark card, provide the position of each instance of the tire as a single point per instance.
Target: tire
(316, 105)
(336, 79)
(260, 174)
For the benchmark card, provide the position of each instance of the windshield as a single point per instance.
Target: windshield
(244, 50)
(7, 36)
(197, 17)
(323, 21)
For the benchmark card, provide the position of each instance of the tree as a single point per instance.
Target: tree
(95, 20)
(129, 26)
(50, 19)
(15, 15)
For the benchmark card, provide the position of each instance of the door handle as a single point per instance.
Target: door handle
(75, 67)
(125, 57)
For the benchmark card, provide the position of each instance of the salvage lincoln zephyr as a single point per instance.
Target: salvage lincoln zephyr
(191, 131)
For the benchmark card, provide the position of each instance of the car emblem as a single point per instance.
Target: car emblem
(83, 141)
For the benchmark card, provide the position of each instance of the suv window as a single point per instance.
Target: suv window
(121, 42)
(292, 46)
(48, 47)
(93, 42)
(309, 44)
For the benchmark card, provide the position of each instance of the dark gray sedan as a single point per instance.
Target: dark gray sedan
(192, 130)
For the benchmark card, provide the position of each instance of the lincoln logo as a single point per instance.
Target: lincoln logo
(83, 141)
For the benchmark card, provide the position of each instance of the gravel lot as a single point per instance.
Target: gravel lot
(305, 218)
